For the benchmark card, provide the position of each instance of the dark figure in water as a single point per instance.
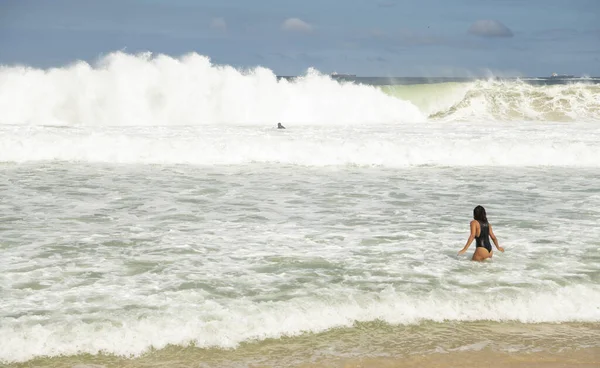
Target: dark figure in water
(481, 231)
(279, 126)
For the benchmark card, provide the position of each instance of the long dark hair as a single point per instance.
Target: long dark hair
(479, 214)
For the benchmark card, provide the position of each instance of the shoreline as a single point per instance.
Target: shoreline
(377, 344)
(584, 357)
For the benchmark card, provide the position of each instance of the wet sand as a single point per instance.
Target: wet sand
(378, 345)
(584, 358)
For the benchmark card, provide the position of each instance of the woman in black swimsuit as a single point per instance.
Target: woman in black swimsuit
(481, 231)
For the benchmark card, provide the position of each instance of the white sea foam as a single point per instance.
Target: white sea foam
(493, 100)
(212, 324)
(506, 144)
(164, 110)
(145, 90)
(119, 259)
(142, 90)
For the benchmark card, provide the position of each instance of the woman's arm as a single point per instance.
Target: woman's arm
(495, 240)
(471, 237)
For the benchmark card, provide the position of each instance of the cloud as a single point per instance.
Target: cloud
(218, 23)
(489, 28)
(296, 25)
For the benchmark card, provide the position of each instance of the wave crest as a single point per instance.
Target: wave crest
(504, 100)
(147, 90)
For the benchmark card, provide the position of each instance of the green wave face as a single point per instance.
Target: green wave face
(502, 100)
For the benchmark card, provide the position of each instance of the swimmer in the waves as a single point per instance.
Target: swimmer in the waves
(481, 232)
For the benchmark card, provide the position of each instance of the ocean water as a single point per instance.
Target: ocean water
(152, 215)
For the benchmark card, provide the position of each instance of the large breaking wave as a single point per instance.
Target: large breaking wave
(164, 110)
(143, 90)
(503, 101)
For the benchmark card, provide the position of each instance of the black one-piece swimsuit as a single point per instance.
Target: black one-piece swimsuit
(483, 240)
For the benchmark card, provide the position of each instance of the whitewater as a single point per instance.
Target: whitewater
(150, 209)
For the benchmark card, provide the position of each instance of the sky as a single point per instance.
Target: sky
(367, 38)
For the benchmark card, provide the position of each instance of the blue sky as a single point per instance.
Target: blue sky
(363, 37)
